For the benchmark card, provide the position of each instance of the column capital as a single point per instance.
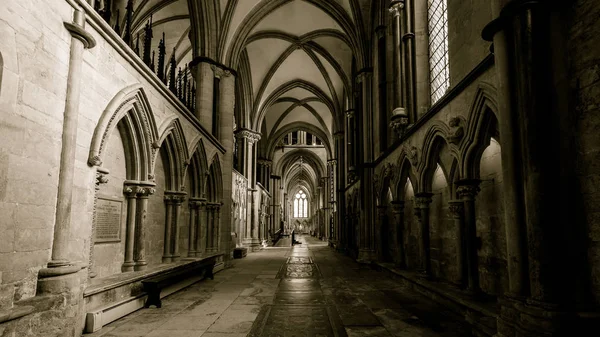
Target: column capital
(396, 7)
(339, 135)
(398, 206)
(468, 188)
(349, 113)
(456, 208)
(265, 162)
(175, 197)
(423, 199)
(250, 135)
(332, 162)
(220, 72)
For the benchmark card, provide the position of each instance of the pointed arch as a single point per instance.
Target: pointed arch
(435, 142)
(198, 170)
(140, 134)
(482, 126)
(405, 173)
(214, 184)
(302, 126)
(175, 154)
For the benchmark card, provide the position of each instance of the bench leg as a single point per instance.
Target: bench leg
(153, 299)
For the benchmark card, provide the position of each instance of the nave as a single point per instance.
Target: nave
(307, 290)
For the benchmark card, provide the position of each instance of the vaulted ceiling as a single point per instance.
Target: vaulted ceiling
(294, 58)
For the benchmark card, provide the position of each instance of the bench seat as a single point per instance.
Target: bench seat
(153, 285)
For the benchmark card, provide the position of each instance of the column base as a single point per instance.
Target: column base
(252, 244)
(140, 265)
(167, 259)
(127, 266)
(59, 269)
(59, 283)
(366, 256)
(520, 318)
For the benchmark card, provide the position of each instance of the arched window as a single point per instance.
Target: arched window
(300, 205)
(439, 71)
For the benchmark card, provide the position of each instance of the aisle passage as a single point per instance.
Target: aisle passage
(307, 290)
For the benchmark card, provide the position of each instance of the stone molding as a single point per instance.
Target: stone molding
(456, 208)
(468, 188)
(251, 136)
(78, 32)
(396, 7)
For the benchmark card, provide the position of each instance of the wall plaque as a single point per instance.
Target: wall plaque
(108, 220)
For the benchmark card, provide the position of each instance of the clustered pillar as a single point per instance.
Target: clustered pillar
(548, 288)
(398, 213)
(173, 201)
(137, 194)
(422, 202)
(467, 190)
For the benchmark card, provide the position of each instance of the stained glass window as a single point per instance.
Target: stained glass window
(438, 49)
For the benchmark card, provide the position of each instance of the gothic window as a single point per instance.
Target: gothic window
(438, 49)
(295, 138)
(309, 139)
(300, 205)
(215, 113)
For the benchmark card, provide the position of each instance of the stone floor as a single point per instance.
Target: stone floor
(307, 290)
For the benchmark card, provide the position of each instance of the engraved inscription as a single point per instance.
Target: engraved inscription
(108, 220)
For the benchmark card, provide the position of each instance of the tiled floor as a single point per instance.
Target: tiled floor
(307, 290)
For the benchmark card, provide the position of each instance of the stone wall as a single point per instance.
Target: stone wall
(584, 33)
(34, 62)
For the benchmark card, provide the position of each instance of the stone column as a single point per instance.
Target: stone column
(101, 178)
(350, 137)
(130, 192)
(384, 232)
(367, 253)
(167, 257)
(398, 212)
(202, 223)
(216, 228)
(410, 63)
(193, 239)
(60, 263)
(340, 183)
(226, 112)
(399, 115)
(539, 96)
(514, 212)
(422, 201)
(145, 189)
(456, 208)
(210, 218)
(178, 199)
(467, 190)
(205, 79)
(276, 203)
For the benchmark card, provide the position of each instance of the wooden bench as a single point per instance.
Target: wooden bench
(153, 285)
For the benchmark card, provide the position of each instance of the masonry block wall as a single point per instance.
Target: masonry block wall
(34, 63)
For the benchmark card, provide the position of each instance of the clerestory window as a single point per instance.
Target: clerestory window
(439, 71)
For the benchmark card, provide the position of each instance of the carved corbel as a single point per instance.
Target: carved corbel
(457, 130)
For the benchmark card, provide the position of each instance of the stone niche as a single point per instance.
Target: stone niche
(109, 251)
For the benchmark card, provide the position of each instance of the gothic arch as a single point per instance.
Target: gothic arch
(240, 37)
(175, 154)
(483, 125)
(435, 142)
(214, 184)
(405, 173)
(198, 170)
(296, 126)
(130, 109)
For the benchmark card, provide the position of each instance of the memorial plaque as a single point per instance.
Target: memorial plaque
(108, 220)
